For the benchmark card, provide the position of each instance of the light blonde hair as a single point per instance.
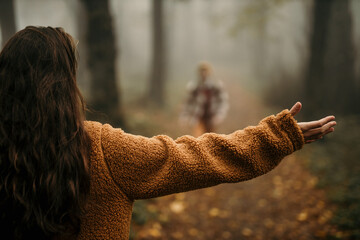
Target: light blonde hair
(203, 65)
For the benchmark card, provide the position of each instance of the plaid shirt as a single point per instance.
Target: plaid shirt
(206, 101)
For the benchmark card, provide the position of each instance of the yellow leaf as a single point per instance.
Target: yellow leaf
(247, 232)
(214, 212)
(302, 216)
(177, 207)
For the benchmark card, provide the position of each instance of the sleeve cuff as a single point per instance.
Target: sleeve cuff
(288, 124)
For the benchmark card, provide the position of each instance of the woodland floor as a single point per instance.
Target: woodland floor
(283, 204)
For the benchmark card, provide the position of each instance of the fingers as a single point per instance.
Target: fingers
(327, 119)
(306, 126)
(318, 133)
(325, 129)
(314, 130)
(295, 109)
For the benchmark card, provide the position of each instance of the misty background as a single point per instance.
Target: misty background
(260, 45)
(137, 56)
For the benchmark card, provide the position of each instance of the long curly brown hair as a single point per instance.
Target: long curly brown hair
(43, 144)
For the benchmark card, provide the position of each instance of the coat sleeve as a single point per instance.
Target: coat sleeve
(151, 167)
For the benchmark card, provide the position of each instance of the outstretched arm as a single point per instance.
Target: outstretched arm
(314, 130)
(151, 167)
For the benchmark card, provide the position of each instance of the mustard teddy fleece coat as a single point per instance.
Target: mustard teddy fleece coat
(125, 167)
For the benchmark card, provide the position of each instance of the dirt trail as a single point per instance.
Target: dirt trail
(283, 204)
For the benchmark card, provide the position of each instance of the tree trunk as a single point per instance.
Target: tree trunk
(156, 87)
(7, 20)
(101, 58)
(83, 73)
(330, 82)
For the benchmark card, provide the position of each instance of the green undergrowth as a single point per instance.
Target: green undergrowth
(140, 216)
(336, 162)
(149, 121)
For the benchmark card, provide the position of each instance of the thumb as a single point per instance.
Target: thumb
(295, 109)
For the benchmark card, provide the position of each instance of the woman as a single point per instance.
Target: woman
(66, 178)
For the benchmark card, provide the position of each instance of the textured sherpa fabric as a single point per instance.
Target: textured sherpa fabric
(125, 167)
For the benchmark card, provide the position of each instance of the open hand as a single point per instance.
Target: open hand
(314, 130)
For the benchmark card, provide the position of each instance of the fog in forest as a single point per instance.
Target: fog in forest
(268, 54)
(256, 44)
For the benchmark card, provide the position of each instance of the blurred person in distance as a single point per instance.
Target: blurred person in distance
(206, 105)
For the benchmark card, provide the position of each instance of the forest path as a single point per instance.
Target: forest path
(283, 204)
